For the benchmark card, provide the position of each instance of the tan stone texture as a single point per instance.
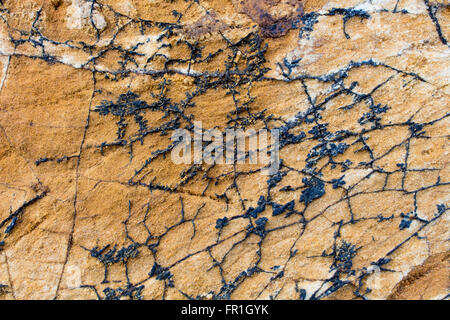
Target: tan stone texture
(92, 207)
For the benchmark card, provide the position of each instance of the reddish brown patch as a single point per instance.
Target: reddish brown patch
(209, 23)
(274, 17)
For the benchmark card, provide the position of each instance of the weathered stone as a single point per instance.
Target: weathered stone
(91, 205)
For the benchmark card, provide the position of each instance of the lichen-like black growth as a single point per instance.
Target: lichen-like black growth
(241, 66)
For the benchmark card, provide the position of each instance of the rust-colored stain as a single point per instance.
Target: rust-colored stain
(274, 17)
(209, 23)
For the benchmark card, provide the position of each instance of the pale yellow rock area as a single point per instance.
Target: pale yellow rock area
(92, 207)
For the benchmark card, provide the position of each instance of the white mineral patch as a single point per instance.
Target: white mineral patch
(414, 6)
(187, 71)
(5, 45)
(72, 61)
(5, 62)
(379, 280)
(126, 7)
(148, 44)
(79, 13)
(310, 287)
(374, 5)
(371, 6)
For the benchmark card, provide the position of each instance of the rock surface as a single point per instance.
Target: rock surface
(92, 207)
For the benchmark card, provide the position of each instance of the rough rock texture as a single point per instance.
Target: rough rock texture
(91, 205)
